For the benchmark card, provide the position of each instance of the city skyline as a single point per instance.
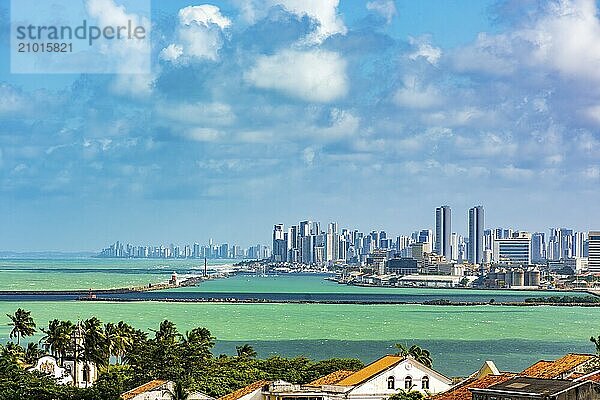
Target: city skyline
(370, 113)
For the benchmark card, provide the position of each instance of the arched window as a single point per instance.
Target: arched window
(391, 382)
(425, 382)
(408, 382)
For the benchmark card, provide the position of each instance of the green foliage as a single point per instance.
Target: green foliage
(22, 324)
(564, 300)
(407, 395)
(421, 355)
(183, 358)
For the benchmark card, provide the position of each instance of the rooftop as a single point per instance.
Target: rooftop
(462, 392)
(245, 390)
(146, 387)
(556, 368)
(370, 370)
(593, 376)
(331, 379)
(545, 387)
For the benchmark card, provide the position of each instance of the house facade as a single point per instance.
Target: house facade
(377, 381)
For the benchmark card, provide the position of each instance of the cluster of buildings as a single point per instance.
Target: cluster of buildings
(510, 257)
(571, 377)
(209, 251)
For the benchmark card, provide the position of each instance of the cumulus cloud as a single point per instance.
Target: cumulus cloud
(323, 12)
(311, 75)
(131, 56)
(415, 94)
(424, 49)
(385, 8)
(562, 37)
(200, 34)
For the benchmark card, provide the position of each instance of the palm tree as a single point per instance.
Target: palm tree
(123, 339)
(58, 337)
(94, 344)
(419, 354)
(22, 324)
(167, 333)
(245, 351)
(32, 353)
(178, 392)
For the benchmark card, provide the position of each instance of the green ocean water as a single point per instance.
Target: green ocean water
(460, 338)
(96, 273)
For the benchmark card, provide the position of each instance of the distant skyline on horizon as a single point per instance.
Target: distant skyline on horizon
(367, 113)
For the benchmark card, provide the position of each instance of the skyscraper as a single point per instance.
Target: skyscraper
(538, 248)
(476, 224)
(279, 243)
(594, 251)
(443, 230)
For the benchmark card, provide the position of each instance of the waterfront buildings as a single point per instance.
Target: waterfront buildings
(443, 231)
(476, 227)
(209, 251)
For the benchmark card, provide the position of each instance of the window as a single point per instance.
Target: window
(425, 382)
(408, 383)
(391, 382)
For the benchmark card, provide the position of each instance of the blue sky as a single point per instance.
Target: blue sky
(369, 113)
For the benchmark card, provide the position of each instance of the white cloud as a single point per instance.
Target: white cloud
(416, 95)
(564, 38)
(205, 14)
(131, 57)
(567, 39)
(324, 12)
(312, 75)
(425, 50)
(199, 34)
(308, 155)
(489, 54)
(10, 100)
(204, 134)
(385, 8)
(593, 113)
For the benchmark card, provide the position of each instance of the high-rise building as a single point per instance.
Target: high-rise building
(538, 248)
(513, 250)
(594, 251)
(476, 226)
(279, 244)
(443, 230)
(578, 244)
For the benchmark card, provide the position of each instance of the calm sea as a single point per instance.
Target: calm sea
(460, 338)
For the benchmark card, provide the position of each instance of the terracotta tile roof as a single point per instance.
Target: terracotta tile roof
(462, 392)
(245, 390)
(594, 377)
(554, 369)
(370, 370)
(146, 387)
(332, 378)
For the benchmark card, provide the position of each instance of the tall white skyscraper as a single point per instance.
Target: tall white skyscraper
(476, 226)
(443, 230)
(279, 243)
(594, 251)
